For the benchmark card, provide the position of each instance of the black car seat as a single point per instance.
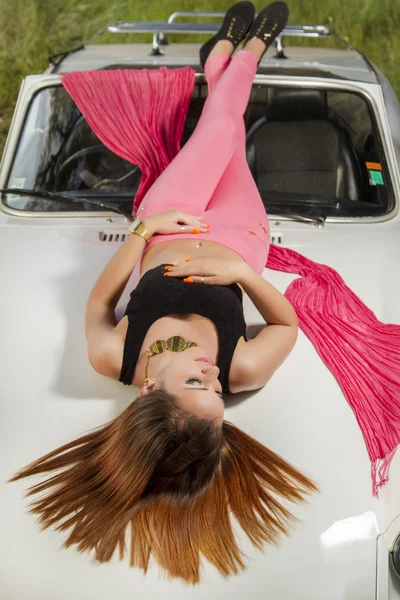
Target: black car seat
(297, 152)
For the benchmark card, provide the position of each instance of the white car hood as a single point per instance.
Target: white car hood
(51, 394)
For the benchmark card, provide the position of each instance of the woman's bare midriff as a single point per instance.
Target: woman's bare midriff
(166, 252)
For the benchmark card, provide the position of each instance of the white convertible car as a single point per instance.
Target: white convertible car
(66, 203)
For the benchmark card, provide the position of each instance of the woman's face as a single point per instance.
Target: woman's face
(194, 382)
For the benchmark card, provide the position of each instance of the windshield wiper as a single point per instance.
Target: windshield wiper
(121, 209)
(315, 215)
(316, 219)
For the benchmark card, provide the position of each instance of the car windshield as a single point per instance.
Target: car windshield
(308, 150)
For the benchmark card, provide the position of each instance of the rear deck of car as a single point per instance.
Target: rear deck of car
(343, 64)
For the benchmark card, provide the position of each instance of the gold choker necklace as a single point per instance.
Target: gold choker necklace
(176, 343)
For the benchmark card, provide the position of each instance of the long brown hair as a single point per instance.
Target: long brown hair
(174, 478)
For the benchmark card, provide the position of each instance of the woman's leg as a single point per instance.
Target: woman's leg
(236, 192)
(234, 208)
(191, 178)
(236, 212)
(214, 69)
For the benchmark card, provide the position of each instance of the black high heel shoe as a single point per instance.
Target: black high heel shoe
(235, 26)
(269, 23)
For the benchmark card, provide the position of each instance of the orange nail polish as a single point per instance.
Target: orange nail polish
(168, 268)
(188, 260)
(167, 273)
(195, 230)
(188, 280)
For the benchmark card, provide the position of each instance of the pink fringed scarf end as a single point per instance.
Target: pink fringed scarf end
(380, 472)
(362, 353)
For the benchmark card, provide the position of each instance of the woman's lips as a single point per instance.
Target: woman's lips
(205, 359)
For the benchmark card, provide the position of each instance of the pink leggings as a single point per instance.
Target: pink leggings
(209, 176)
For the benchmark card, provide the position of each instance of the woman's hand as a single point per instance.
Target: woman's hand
(216, 271)
(171, 221)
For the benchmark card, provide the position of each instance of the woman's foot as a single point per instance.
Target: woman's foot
(255, 46)
(223, 46)
(236, 24)
(268, 24)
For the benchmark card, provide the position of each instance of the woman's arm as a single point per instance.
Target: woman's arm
(104, 346)
(271, 304)
(260, 357)
(112, 281)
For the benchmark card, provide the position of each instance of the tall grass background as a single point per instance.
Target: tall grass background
(31, 30)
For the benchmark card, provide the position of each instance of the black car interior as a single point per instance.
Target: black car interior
(307, 148)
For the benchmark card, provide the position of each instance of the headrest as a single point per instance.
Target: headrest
(288, 104)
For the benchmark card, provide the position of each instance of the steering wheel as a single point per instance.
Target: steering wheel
(99, 149)
(255, 127)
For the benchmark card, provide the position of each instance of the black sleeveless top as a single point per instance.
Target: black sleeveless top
(157, 296)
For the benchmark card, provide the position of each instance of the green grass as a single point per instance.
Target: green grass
(31, 30)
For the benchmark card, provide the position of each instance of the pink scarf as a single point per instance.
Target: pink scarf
(140, 115)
